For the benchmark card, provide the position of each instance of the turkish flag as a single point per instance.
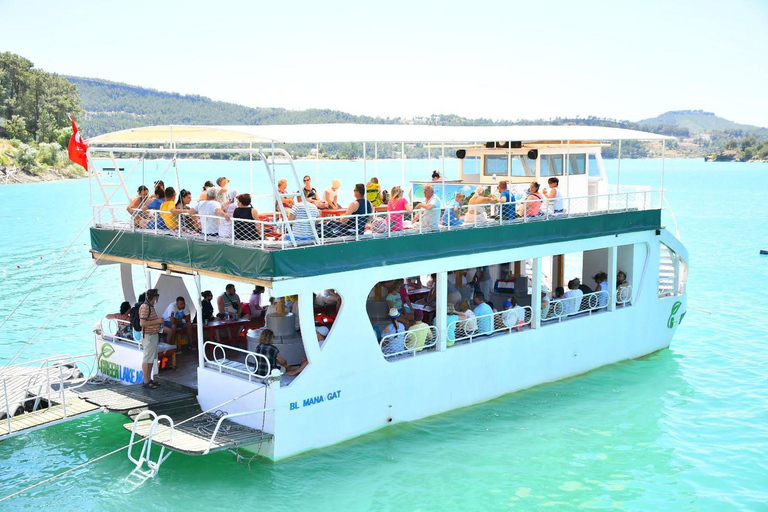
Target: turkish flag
(77, 147)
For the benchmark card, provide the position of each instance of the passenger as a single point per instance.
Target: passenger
(301, 214)
(507, 201)
(170, 219)
(544, 301)
(394, 344)
(244, 215)
(484, 313)
(328, 298)
(601, 280)
(435, 175)
(421, 333)
(150, 335)
(332, 195)
(161, 185)
(452, 214)
(431, 297)
(322, 332)
(208, 184)
(414, 282)
(272, 308)
(465, 312)
(533, 201)
(396, 206)
(208, 210)
(476, 214)
(451, 318)
(407, 305)
(229, 206)
(573, 298)
(207, 306)
(187, 223)
(362, 208)
(452, 291)
(272, 358)
(513, 316)
(373, 192)
(429, 217)
(584, 288)
(222, 183)
(559, 293)
(254, 304)
(482, 280)
(153, 204)
(229, 302)
(308, 190)
(176, 317)
(554, 194)
(136, 204)
(395, 301)
(282, 190)
(123, 321)
(621, 280)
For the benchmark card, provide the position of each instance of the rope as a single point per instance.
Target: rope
(92, 461)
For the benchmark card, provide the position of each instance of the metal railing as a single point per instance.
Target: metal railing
(560, 309)
(272, 231)
(248, 368)
(483, 326)
(410, 342)
(43, 379)
(624, 296)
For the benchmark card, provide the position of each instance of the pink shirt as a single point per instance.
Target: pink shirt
(396, 219)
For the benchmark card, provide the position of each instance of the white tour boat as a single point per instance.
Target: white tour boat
(357, 380)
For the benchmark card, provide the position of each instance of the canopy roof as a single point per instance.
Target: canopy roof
(330, 133)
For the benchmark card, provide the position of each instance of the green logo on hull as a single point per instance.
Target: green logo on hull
(675, 309)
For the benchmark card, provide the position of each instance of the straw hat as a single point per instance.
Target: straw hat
(394, 313)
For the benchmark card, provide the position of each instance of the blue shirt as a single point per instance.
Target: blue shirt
(155, 205)
(484, 325)
(449, 217)
(508, 206)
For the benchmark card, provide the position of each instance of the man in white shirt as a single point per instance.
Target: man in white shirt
(210, 208)
(572, 301)
(176, 318)
(429, 219)
(513, 315)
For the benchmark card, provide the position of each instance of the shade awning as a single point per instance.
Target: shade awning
(335, 133)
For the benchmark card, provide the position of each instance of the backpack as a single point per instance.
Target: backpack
(135, 320)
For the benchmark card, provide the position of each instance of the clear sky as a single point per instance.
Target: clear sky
(503, 59)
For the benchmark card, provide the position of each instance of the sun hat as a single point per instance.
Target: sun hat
(394, 313)
(507, 304)
(544, 288)
(323, 330)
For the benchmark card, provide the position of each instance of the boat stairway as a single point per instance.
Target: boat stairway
(118, 397)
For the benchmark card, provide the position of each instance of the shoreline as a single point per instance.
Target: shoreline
(15, 176)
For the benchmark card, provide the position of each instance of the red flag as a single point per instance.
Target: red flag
(77, 147)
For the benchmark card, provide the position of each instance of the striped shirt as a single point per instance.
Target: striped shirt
(302, 230)
(147, 313)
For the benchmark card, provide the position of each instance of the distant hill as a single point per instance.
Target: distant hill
(698, 121)
(112, 106)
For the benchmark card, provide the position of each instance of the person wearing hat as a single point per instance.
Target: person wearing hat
(395, 343)
(513, 315)
(544, 301)
(322, 332)
(421, 331)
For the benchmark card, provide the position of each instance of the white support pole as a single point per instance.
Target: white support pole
(663, 151)
(317, 166)
(402, 165)
(147, 278)
(307, 327)
(612, 270)
(618, 172)
(442, 157)
(536, 294)
(199, 306)
(376, 157)
(250, 166)
(365, 168)
(441, 310)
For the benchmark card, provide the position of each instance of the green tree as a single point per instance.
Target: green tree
(16, 128)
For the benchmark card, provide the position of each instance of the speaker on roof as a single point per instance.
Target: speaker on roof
(533, 154)
(461, 153)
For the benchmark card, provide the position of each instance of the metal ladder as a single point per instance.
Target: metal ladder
(105, 184)
(139, 475)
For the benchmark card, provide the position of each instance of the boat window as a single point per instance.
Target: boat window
(577, 164)
(551, 165)
(472, 165)
(326, 306)
(517, 168)
(529, 166)
(496, 165)
(594, 170)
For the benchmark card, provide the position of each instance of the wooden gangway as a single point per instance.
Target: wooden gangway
(27, 422)
(119, 397)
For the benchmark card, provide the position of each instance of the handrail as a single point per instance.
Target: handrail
(507, 321)
(624, 295)
(250, 357)
(586, 303)
(277, 233)
(672, 213)
(406, 342)
(227, 416)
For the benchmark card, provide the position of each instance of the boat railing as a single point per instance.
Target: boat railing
(561, 309)
(624, 296)
(109, 333)
(248, 369)
(26, 386)
(409, 343)
(480, 327)
(271, 231)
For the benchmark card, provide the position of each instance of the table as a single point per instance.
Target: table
(333, 212)
(233, 328)
(413, 292)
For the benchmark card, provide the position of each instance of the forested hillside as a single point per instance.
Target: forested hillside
(698, 121)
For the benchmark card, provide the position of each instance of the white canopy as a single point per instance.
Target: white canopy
(330, 133)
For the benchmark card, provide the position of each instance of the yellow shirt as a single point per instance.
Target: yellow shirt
(421, 335)
(170, 220)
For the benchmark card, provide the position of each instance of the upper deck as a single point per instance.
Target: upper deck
(275, 247)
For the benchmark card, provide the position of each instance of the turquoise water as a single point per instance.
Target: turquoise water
(685, 428)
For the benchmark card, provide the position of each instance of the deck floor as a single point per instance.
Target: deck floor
(185, 373)
(121, 398)
(193, 437)
(44, 417)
